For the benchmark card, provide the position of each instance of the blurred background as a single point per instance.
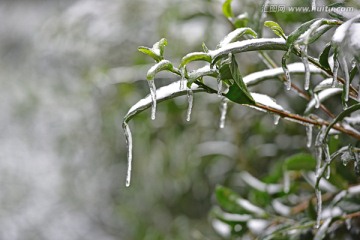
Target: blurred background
(69, 72)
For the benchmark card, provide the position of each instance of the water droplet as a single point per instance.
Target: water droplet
(190, 98)
(318, 207)
(309, 135)
(223, 111)
(276, 119)
(128, 138)
(153, 98)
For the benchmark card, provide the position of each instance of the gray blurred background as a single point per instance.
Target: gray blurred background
(69, 71)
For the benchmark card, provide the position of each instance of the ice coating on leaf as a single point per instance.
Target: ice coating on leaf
(276, 119)
(223, 111)
(325, 84)
(204, 71)
(236, 34)
(345, 68)
(259, 185)
(304, 59)
(249, 45)
(318, 207)
(323, 95)
(295, 68)
(266, 100)
(322, 231)
(128, 138)
(190, 99)
(281, 208)
(160, 66)
(309, 130)
(153, 98)
(163, 93)
(248, 206)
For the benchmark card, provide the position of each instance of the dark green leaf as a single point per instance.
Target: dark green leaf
(300, 161)
(227, 199)
(226, 9)
(238, 92)
(324, 56)
(311, 212)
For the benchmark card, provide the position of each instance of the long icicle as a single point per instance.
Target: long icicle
(223, 111)
(190, 98)
(309, 135)
(335, 70)
(318, 206)
(286, 70)
(153, 98)
(345, 69)
(129, 144)
(304, 59)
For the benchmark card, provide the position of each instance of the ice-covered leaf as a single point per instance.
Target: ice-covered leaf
(298, 32)
(341, 116)
(159, 47)
(300, 162)
(324, 56)
(235, 35)
(150, 52)
(226, 9)
(248, 45)
(160, 66)
(238, 91)
(266, 101)
(321, 233)
(275, 27)
(322, 96)
(201, 72)
(241, 20)
(194, 56)
(232, 202)
(326, 84)
(259, 185)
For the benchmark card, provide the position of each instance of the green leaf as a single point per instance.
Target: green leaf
(238, 92)
(150, 52)
(297, 33)
(195, 56)
(241, 20)
(324, 56)
(337, 14)
(159, 47)
(226, 8)
(160, 66)
(275, 27)
(300, 161)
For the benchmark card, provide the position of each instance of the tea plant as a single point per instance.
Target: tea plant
(301, 198)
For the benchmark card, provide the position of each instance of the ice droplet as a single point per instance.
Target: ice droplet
(223, 111)
(276, 119)
(190, 98)
(309, 135)
(318, 207)
(153, 98)
(335, 71)
(304, 59)
(128, 138)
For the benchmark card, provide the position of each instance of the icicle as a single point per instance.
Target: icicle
(318, 207)
(327, 172)
(276, 119)
(328, 160)
(286, 181)
(286, 70)
(153, 98)
(183, 78)
(304, 59)
(219, 86)
(317, 100)
(319, 149)
(348, 224)
(190, 98)
(345, 68)
(309, 129)
(335, 70)
(223, 110)
(128, 138)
